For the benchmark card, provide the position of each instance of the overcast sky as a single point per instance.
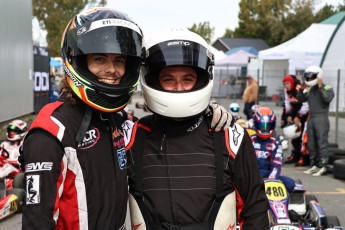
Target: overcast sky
(155, 15)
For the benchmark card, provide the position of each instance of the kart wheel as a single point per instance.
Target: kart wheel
(333, 145)
(336, 155)
(18, 181)
(308, 198)
(332, 221)
(339, 169)
(20, 193)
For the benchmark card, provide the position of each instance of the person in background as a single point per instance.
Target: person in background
(234, 109)
(9, 149)
(182, 174)
(250, 96)
(319, 96)
(294, 112)
(269, 150)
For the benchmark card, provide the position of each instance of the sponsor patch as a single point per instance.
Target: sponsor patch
(90, 139)
(236, 135)
(39, 166)
(33, 189)
(121, 157)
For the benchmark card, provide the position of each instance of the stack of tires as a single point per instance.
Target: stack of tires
(336, 161)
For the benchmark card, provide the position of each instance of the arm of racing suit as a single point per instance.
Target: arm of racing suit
(252, 203)
(41, 148)
(327, 93)
(277, 159)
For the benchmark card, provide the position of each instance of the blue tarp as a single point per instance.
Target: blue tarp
(55, 63)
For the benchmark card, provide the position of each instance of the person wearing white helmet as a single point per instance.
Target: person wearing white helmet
(319, 96)
(177, 164)
(234, 109)
(9, 149)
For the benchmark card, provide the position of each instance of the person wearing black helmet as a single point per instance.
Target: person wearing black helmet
(74, 153)
(182, 174)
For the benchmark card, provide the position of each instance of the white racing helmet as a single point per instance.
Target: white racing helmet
(177, 47)
(291, 131)
(312, 74)
(16, 130)
(234, 109)
(285, 143)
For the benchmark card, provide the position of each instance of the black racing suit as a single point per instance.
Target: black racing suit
(295, 108)
(74, 185)
(318, 123)
(179, 175)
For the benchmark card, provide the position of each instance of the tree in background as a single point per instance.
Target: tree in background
(53, 16)
(280, 20)
(204, 30)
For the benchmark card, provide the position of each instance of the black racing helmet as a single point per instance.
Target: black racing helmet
(101, 30)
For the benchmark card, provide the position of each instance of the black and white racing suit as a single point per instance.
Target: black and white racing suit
(178, 174)
(74, 185)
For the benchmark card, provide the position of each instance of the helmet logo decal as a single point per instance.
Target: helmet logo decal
(114, 22)
(81, 30)
(73, 78)
(178, 43)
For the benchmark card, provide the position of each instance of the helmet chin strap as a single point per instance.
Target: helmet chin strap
(84, 125)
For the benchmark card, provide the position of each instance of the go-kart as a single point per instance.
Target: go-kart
(297, 210)
(12, 194)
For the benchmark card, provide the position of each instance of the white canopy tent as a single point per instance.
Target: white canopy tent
(294, 55)
(301, 51)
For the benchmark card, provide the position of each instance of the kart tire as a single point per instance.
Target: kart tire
(336, 156)
(20, 193)
(332, 221)
(339, 169)
(308, 198)
(18, 181)
(333, 145)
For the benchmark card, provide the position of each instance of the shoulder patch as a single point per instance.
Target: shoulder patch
(127, 128)
(236, 134)
(327, 87)
(46, 121)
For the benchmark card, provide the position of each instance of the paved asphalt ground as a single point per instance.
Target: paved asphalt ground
(329, 191)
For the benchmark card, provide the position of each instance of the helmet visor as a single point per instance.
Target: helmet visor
(178, 52)
(309, 76)
(107, 36)
(265, 127)
(235, 109)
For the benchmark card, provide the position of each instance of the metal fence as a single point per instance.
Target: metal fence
(230, 83)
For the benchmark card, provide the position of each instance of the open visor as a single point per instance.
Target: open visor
(178, 52)
(107, 36)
